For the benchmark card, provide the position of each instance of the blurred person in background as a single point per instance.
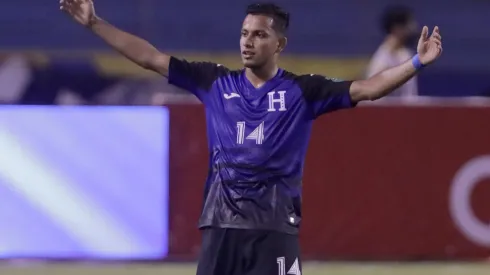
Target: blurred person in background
(401, 29)
(259, 120)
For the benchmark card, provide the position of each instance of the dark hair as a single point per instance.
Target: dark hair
(279, 16)
(395, 16)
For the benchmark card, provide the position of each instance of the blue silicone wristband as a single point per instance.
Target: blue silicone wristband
(416, 62)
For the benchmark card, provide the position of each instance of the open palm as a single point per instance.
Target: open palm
(82, 11)
(429, 48)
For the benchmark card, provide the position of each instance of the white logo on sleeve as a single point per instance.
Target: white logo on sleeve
(333, 79)
(231, 95)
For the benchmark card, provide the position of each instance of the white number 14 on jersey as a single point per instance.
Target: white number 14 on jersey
(257, 134)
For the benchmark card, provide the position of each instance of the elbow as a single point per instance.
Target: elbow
(369, 95)
(374, 95)
(146, 62)
(156, 62)
(365, 91)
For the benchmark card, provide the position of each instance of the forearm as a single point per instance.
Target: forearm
(382, 83)
(134, 48)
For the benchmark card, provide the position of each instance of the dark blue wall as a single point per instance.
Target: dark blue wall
(327, 27)
(334, 27)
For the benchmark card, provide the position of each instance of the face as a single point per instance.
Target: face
(259, 42)
(409, 33)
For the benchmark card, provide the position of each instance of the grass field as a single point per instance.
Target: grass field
(309, 269)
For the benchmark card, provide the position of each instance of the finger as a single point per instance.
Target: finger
(68, 8)
(65, 3)
(436, 30)
(425, 33)
(437, 42)
(436, 35)
(439, 50)
(68, 5)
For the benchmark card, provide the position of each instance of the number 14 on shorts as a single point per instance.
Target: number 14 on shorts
(294, 270)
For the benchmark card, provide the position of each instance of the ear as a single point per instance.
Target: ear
(281, 45)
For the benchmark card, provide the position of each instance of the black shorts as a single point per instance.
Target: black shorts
(248, 252)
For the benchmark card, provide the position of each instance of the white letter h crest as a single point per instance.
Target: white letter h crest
(281, 100)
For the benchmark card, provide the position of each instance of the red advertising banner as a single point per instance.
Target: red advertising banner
(380, 183)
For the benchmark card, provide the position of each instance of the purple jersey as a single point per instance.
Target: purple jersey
(257, 141)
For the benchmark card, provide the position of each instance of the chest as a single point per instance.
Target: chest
(244, 115)
(269, 102)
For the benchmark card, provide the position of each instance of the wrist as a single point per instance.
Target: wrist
(92, 21)
(417, 64)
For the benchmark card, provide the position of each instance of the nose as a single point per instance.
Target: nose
(249, 43)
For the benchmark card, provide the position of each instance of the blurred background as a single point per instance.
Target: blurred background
(94, 169)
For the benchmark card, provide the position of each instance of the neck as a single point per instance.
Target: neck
(393, 43)
(258, 76)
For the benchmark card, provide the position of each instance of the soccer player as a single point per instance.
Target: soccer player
(259, 120)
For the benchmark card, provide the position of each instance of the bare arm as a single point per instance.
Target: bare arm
(383, 83)
(134, 48)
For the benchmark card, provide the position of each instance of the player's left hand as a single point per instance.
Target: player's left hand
(429, 48)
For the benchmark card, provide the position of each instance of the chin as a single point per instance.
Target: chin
(250, 64)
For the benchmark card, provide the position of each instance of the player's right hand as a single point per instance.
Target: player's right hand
(82, 11)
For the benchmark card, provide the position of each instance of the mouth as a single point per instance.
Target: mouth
(248, 54)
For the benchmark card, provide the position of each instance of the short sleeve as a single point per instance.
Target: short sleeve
(195, 77)
(324, 95)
